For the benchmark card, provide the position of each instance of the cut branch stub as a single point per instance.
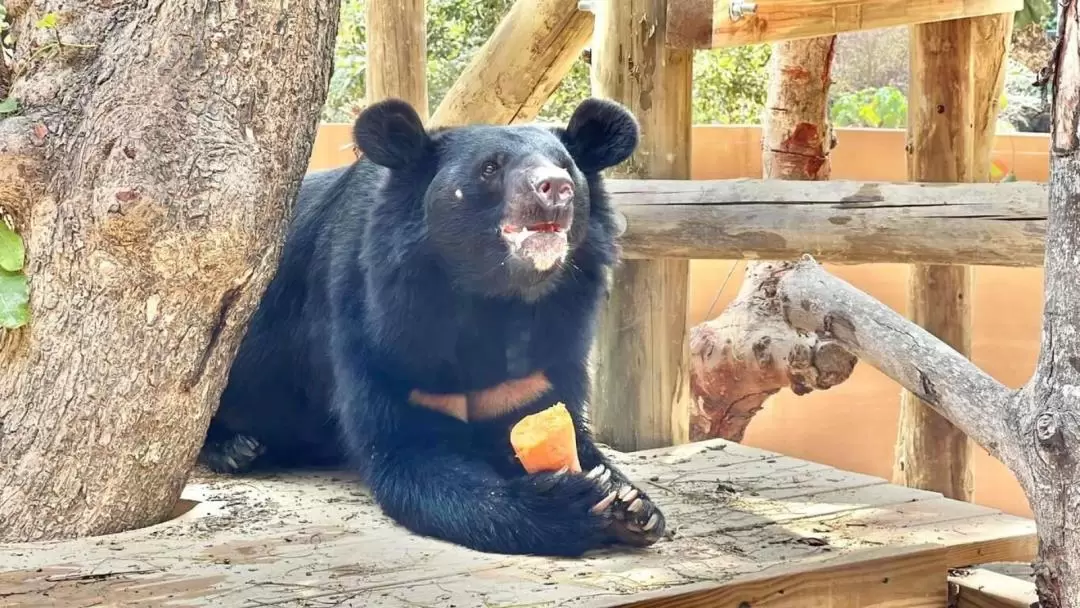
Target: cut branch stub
(747, 354)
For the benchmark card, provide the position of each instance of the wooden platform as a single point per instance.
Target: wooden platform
(751, 528)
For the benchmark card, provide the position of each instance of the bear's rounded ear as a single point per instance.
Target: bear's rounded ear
(600, 134)
(391, 134)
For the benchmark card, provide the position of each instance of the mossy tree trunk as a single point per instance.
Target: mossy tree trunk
(151, 169)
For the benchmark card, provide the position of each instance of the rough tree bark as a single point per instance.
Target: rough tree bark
(151, 171)
(741, 358)
(1035, 430)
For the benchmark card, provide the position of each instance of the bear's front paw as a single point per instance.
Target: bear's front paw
(632, 517)
(231, 456)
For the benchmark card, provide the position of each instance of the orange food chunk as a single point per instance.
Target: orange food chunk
(545, 441)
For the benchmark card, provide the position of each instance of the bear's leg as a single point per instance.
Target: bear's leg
(433, 485)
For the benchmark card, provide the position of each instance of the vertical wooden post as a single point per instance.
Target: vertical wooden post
(397, 52)
(641, 388)
(957, 72)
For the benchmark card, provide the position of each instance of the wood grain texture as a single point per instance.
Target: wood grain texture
(753, 526)
(837, 221)
(991, 38)
(981, 588)
(641, 386)
(702, 24)
(397, 52)
(515, 72)
(931, 453)
(156, 166)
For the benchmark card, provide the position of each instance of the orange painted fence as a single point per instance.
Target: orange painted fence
(853, 426)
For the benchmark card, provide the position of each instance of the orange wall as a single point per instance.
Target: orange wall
(853, 426)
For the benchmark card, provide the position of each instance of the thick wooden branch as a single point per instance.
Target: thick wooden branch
(836, 221)
(747, 354)
(703, 24)
(520, 66)
(809, 299)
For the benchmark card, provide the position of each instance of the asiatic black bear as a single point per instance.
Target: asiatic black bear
(428, 297)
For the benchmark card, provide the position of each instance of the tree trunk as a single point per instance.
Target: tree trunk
(1047, 421)
(158, 151)
(739, 360)
(1035, 431)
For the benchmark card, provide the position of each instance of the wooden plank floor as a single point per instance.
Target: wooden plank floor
(749, 527)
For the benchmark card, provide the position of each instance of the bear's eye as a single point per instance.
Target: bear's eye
(489, 168)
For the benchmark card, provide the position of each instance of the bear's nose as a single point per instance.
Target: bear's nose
(554, 186)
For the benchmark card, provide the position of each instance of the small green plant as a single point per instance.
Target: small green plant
(881, 108)
(14, 291)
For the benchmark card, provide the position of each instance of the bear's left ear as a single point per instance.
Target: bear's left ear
(600, 134)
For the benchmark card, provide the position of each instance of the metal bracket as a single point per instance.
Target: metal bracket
(737, 9)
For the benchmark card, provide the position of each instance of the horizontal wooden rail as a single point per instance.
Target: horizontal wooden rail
(703, 24)
(836, 221)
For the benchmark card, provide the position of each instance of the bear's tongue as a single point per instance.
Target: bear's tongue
(542, 245)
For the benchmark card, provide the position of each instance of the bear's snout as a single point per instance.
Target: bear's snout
(552, 185)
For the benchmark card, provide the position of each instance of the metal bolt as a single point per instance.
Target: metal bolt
(738, 9)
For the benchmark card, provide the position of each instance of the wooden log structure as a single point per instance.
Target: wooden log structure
(836, 221)
(397, 52)
(515, 72)
(641, 395)
(949, 60)
(704, 24)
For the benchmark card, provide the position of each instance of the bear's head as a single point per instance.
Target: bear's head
(504, 208)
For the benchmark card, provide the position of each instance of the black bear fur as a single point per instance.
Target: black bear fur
(395, 277)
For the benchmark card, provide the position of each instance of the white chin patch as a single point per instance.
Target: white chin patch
(544, 249)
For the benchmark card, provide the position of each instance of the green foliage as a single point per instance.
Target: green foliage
(1034, 11)
(14, 300)
(47, 22)
(729, 83)
(9, 105)
(14, 292)
(11, 249)
(881, 108)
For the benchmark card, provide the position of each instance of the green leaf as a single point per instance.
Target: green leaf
(11, 249)
(47, 21)
(1034, 11)
(9, 105)
(14, 300)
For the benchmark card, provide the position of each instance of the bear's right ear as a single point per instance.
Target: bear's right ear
(391, 134)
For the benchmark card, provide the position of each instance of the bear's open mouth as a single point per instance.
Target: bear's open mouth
(544, 244)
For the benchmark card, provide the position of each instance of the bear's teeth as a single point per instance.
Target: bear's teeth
(518, 237)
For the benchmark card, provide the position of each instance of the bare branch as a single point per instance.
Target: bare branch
(812, 300)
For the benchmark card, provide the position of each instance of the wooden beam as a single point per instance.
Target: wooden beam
(641, 391)
(397, 52)
(981, 588)
(837, 221)
(703, 24)
(512, 76)
(949, 60)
